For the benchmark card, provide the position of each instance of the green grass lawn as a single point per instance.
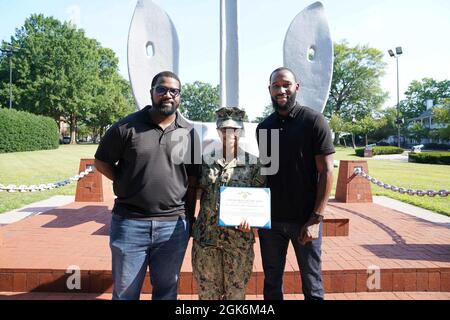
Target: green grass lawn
(54, 165)
(40, 167)
(407, 175)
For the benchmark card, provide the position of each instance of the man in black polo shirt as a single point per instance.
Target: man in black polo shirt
(150, 157)
(300, 189)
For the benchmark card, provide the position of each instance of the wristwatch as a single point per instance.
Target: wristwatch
(317, 217)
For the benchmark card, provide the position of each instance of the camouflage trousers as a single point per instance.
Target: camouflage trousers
(221, 273)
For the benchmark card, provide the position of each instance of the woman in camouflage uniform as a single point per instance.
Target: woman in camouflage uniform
(222, 258)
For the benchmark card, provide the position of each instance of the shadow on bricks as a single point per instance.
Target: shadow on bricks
(68, 218)
(401, 249)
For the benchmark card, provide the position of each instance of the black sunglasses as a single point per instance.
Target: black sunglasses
(162, 91)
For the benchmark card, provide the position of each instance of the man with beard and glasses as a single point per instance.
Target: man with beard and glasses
(154, 177)
(299, 190)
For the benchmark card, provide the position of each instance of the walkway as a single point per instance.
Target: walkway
(412, 254)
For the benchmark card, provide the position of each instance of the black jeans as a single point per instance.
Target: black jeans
(274, 245)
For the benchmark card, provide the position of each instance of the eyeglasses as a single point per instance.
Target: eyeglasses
(162, 91)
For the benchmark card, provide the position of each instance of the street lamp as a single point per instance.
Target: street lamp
(398, 52)
(9, 51)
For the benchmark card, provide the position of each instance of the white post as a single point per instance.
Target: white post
(229, 53)
(223, 46)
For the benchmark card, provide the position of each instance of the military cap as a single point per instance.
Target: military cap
(230, 118)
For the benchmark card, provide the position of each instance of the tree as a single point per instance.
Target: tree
(83, 132)
(368, 125)
(268, 110)
(113, 99)
(444, 133)
(353, 128)
(61, 73)
(387, 127)
(441, 115)
(199, 101)
(355, 89)
(338, 126)
(417, 132)
(419, 92)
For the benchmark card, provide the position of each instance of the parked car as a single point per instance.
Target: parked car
(65, 140)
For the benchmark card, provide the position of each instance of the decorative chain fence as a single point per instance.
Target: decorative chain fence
(421, 193)
(44, 187)
(358, 171)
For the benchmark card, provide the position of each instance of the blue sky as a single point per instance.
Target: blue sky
(420, 27)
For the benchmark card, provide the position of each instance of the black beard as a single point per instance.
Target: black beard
(165, 110)
(290, 103)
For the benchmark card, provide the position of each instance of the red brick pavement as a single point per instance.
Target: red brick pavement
(330, 296)
(412, 255)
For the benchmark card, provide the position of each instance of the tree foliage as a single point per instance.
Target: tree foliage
(441, 115)
(199, 101)
(419, 92)
(338, 126)
(388, 126)
(268, 110)
(417, 132)
(355, 89)
(60, 73)
(368, 125)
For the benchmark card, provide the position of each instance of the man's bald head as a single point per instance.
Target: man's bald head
(283, 69)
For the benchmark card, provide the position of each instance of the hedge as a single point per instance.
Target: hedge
(437, 146)
(22, 131)
(378, 150)
(430, 157)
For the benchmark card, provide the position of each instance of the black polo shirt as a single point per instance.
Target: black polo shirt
(303, 135)
(151, 165)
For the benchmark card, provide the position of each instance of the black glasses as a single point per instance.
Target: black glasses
(162, 91)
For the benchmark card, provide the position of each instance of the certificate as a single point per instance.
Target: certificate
(250, 204)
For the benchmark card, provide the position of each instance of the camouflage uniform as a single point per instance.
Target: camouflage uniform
(222, 258)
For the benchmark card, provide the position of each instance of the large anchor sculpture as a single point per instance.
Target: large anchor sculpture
(153, 46)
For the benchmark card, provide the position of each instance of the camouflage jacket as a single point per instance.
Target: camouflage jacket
(213, 176)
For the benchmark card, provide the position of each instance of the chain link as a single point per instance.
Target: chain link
(420, 193)
(44, 187)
